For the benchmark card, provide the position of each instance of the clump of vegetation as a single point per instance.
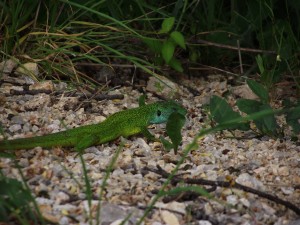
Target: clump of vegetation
(61, 34)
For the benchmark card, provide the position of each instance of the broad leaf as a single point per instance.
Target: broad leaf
(153, 44)
(13, 198)
(173, 127)
(176, 65)
(260, 64)
(293, 117)
(167, 51)
(222, 112)
(178, 38)
(259, 90)
(167, 145)
(267, 124)
(248, 106)
(167, 25)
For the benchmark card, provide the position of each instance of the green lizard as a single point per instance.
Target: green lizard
(124, 123)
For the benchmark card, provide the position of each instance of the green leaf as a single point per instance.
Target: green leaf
(260, 64)
(167, 25)
(154, 45)
(293, 117)
(173, 127)
(176, 65)
(167, 145)
(248, 106)
(267, 124)
(221, 112)
(167, 50)
(13, 198)
(178, 38)
(259, 90)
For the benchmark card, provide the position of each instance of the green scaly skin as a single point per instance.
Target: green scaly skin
(124, 123)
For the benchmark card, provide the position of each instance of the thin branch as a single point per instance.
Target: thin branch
(227, 184)
(200, 41)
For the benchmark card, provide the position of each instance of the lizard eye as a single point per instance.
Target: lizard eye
(158, 112)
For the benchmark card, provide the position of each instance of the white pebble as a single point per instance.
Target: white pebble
(204, 222)
(232, 199)
(15, 128)
(35, 128)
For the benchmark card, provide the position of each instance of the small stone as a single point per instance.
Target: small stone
(64, 220)
(176, 206)
(156, 223)
(35, 128)
(14, 128)
(24, 162)
(268, 209)
(169, 218)
(245, 202)
(47, 213)
(259, 170)
(8, 65)
(119, 222)
(118, 172)
(96, 176)
(204, 222)
(163, 86)
(53, 127)
(45, 85)
(287, 190)
(61, 86)
(244, 91)
(125, 162)
(249, 181)
(143, 145)
(2, 99)
(61, 197)
(208, 209)
(37, 102)
(283, 171)
(28, 69)
(17, 120)
(232, 199)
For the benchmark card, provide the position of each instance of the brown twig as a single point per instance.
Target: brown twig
(30, 92)
(240, 57)
(200, 41)
(227, 184)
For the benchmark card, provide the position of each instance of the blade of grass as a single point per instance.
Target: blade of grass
(36, 207)
(88, 188)
(104, 182)
(105, 16)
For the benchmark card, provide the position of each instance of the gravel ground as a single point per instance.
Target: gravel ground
(56, 179)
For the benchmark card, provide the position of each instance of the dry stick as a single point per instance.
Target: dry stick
(200, 41)
(98, 97)
(227, 184)
(29, 92)
(97, 65)
(240, 56)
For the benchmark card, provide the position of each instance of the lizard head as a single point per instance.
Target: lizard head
(162, 111)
